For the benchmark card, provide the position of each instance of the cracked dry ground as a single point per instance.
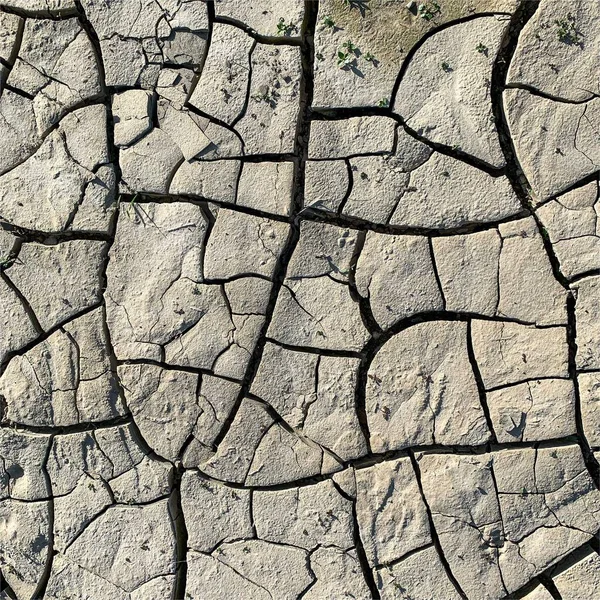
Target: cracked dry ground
(299, 300)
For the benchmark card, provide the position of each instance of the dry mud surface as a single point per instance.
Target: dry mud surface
(299, 300)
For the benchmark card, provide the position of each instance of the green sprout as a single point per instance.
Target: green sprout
(566, 30)
(328, 22)
(286, 29)
(346, 54)
(482, 48)
(446, 67)
(384, 103)
(429, 11)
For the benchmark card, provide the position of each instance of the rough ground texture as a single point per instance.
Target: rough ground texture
(299, 300)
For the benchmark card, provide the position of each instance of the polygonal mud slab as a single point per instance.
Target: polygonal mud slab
(299, 300)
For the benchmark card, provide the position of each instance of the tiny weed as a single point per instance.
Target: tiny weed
(132, 204)
(328, 22)
(429, 11)
(286, 29)
(566, 30)
(446, 67)
(346, 55)
(349, 46)
(319, 56)
(370, 58)
(482, 48)
(384, 103)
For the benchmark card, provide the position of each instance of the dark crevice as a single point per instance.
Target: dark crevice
(480, 384)
(366, 312)
(273, 40)
(173, 367)
(181, 535)
(216, 121)
(5, 588)
(318, 351)
(535, 92)
(580, 276)
(200, 201)
(25, 303)
(436, 272)
(499, 73)
(249, 158)
(51, 238)
(53, 15)
(451, 151)
(588, 456)
(402, 558)
(301, 152)
(530, 380)
(550, 586)
(314, 214)
(69, 429)
(340, 208)
(362, 556)
(43, 582)
(432, 530)
(371, 459)
(244, 108)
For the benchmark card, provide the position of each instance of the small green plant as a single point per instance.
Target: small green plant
(319, 56)
(429, 11)
(446, 67)
(370, 58)
(286, 29)
(482, 48)
(384, 103)
(566, 30)
(132, 204)
(346, 55)
(328, 22)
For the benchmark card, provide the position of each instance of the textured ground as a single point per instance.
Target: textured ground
(299, 300)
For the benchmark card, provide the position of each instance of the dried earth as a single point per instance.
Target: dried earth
(299, 300)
